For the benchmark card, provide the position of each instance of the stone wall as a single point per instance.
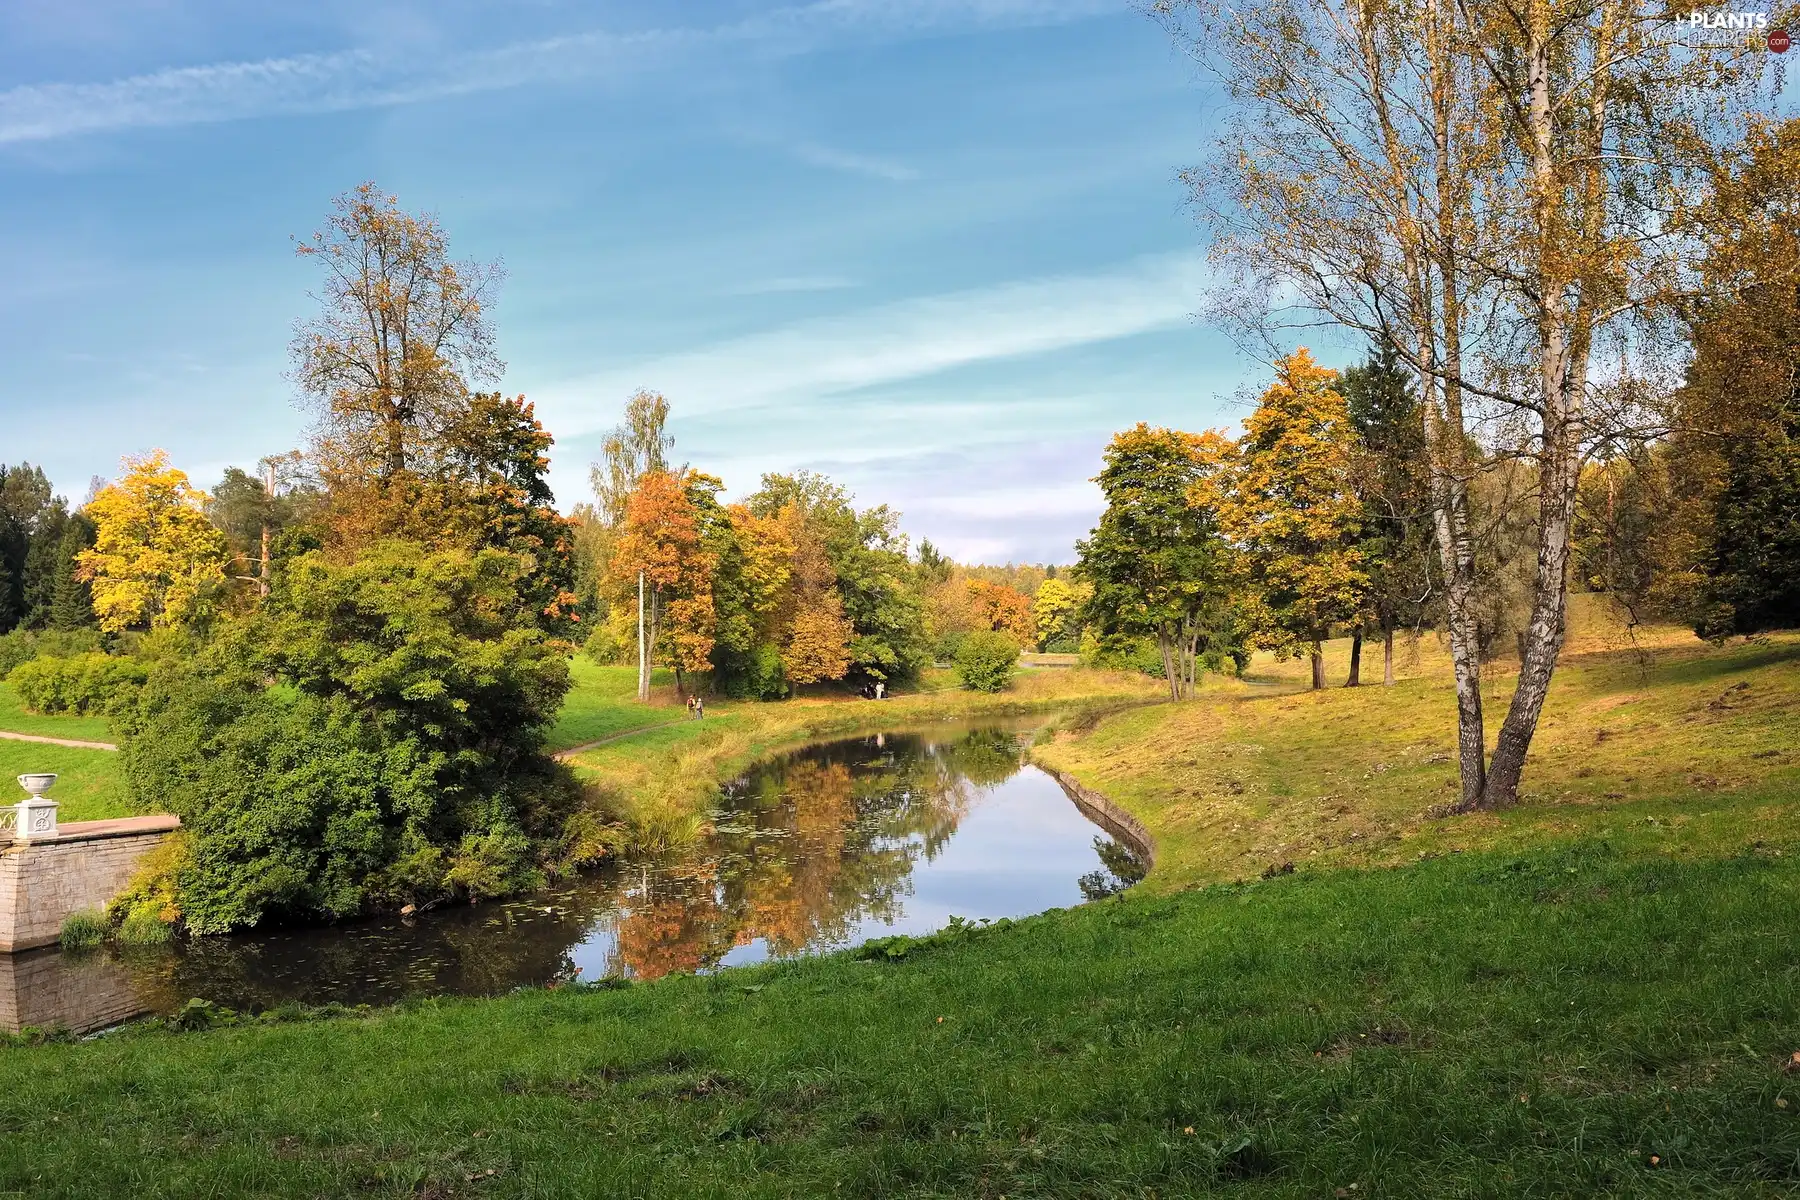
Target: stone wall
(86, 865)
(1109, 816)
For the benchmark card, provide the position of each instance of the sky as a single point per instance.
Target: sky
(936, 249)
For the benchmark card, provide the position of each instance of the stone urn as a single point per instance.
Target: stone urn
(36, 818)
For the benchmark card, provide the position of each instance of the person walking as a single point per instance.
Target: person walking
(699, 708)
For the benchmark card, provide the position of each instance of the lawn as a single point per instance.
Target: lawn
(1574, 1021)
(1669, 746)
(88, 785)
(602, 701)
(15, 719)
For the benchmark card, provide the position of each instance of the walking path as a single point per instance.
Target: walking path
(53, 741)
(572, 751)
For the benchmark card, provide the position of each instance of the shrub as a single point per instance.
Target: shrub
(397, 756)
(985, 661)
(603, 647)
(83, 683)
(83, 930)
(144, 926)
(23, 645)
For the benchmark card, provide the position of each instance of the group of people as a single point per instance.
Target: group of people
(697, 707)
(874, 691)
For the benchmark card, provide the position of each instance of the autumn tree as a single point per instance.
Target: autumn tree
(871, 570)
(156, 559)
(1003, 609)
(638, 445)
(402, 333)
(1291, 510)
(1057, 611)
(1500, 189)
(1156, 561)
(661, 541)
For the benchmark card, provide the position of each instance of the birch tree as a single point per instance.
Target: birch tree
(1498, 188)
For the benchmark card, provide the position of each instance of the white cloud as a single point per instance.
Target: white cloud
(821, 357)
(364, 78)
(855, 164)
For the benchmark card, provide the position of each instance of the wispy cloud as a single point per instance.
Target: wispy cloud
(362, 78)
(855, 164)
(821, 357)
(791, 283)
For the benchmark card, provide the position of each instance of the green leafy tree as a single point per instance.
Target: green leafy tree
(1390, 479)
(1156, 562)
(399, 758)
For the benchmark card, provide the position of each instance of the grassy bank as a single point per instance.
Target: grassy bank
(1668, 745)
(660, 784)
(1567, 1022)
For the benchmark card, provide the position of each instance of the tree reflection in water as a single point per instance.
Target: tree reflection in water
(808, 851)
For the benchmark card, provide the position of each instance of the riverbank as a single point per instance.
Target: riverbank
(1668, 746)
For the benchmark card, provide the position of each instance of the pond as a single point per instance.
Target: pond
(816, 850)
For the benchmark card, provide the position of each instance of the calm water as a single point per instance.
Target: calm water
(820, 849)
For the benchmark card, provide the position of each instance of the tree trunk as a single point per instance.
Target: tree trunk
(1356, 641)
(1387, 657)
(1563, 340)
(1171, 675)
(1318, 666)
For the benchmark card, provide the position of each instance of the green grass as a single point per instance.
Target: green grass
(14, 719)
(1477, 1025)
(602, 701)
(89, 786)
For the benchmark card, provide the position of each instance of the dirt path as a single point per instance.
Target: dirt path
(572, 751)
(50, 741)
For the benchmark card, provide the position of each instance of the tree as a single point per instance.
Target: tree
(1004, 609)
(156, 559)
(1156, 561)
(1292, 512)
(388, 362)
(25, 503)
(637, 446)
(1501, 189)
(661, 541)
(986, 659)
(1391, 482)
(867, 560)
(1057, 612)
(400, 759)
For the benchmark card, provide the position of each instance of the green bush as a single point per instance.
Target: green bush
(84, 683)
(985, 661)
(144, 926)
(338, 751)
(23, 645)
(603, 648)
(756, 675)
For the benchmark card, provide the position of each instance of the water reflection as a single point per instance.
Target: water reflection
(822, 848)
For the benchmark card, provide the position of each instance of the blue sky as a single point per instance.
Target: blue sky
(934, 248)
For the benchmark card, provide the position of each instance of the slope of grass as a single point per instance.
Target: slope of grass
(1668, 746)
(602, 701)
(1571, 1022)
(15, 719)
(89, 786)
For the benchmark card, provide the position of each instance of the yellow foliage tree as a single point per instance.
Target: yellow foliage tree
(1293, 512)
(155, 555)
